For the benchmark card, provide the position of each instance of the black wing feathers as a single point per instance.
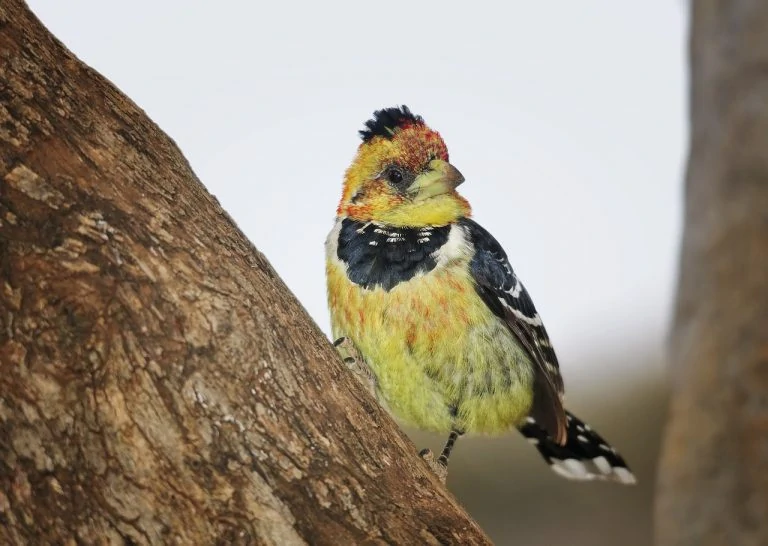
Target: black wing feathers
(502, 291)
(584, 456)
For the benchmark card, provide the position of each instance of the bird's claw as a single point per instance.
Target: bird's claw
(355, 362)
(440, 469)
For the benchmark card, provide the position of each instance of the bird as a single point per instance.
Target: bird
(449, 338)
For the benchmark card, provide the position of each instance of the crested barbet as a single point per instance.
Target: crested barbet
(426, 297)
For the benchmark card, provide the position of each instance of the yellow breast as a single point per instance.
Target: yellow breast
(441, 358)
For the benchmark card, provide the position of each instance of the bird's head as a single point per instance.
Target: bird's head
(401, 175)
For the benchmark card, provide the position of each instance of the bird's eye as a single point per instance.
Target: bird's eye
(394, 175)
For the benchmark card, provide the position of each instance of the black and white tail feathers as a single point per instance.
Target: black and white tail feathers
(585, 455)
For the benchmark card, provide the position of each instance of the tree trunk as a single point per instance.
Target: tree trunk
(713, 486)
(158, 382)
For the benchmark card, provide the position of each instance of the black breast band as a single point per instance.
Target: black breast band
(386, 255)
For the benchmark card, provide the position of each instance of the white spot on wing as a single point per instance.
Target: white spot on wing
(517, 288)
(535, 320)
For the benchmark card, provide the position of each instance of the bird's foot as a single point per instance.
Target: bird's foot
(438, 467)
(356, 363)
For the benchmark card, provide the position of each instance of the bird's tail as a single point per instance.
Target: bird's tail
(585, 455)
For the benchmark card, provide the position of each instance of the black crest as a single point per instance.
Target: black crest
(385, 122)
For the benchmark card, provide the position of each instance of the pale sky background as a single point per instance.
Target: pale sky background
(568, 120)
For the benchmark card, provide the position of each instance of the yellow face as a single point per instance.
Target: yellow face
(403, 180)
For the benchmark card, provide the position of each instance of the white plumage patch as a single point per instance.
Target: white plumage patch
(585, 455)
(331, 244)
(457, 247)
(534, 320)
(591, 469)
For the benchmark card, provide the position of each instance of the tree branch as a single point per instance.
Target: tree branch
(159, 383)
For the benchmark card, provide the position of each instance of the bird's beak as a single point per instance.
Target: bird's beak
(440, 178)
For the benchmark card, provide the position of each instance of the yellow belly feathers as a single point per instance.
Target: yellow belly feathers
(436, 350)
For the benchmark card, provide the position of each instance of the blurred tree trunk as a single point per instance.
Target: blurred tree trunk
(158, 382)
(713, 486)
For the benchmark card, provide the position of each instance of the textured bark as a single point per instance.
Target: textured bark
(713, 485)
(158, 382)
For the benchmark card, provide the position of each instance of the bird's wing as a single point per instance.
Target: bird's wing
(505, 295)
